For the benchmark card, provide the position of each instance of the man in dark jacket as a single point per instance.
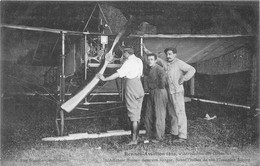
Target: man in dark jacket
(157, 100)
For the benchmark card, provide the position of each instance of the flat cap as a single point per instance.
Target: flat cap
(129, 49)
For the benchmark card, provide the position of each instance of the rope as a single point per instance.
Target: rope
(42, 95)
(89, 18)
(18, 80)
(37, 47)
(54, 46)
(69, 41)
(178, 42)
(104, 17)
(106, 110)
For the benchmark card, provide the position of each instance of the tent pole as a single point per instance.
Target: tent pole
(254, 86)
(85, 59)
(177, 36)
(192, 86)
(85, 55)
(223, 103)
(42, 29)
(62, 83)
(141, 46)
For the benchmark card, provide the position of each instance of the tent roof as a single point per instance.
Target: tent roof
(169, 17)
(191, 48)
(195, 48)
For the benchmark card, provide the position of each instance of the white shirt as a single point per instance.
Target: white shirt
(132, 67)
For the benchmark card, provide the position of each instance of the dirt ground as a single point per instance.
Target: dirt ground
(230, 139)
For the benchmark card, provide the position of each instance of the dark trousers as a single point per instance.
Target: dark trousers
(156, 113)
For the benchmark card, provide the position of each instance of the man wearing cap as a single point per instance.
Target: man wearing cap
(132, 70)
(177, 72)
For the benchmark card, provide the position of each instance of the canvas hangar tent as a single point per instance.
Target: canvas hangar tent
(211, 54)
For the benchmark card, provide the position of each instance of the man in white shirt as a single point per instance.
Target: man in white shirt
(132, 70)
